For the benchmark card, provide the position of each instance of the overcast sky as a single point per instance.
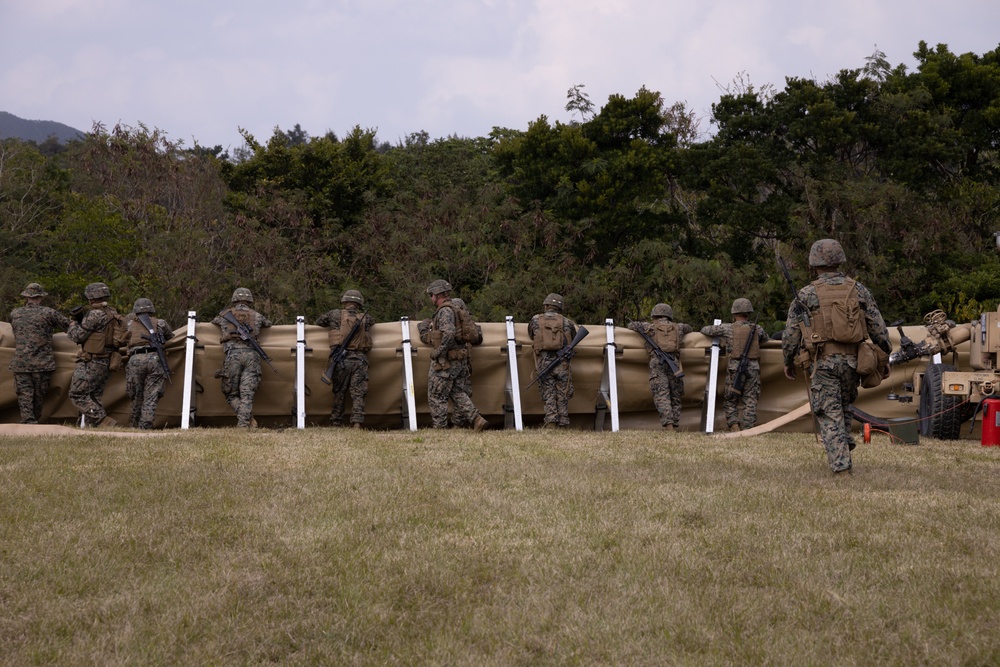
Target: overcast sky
(201, 69)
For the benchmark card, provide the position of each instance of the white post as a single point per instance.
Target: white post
(411, 405)
(610, 351)
(512, 376)
(300, 371)
(712, 386)
(188, 370)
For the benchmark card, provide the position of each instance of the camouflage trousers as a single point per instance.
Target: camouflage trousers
(732, 402)
(31, 389)
(240, 379)
(87, 387)
(144, 384)
(667, 392)
(444, 385)
(350, 378)
(834, 388)
(556, 389)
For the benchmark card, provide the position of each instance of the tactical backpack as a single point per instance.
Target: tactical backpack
(550, 334)
(839, 318)
(666, 335)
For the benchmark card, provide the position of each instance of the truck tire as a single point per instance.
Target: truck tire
(939, 415)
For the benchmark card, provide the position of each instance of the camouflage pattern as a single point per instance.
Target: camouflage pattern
(741, 306)
(464, 380)
(833, 378)
(449, 365)
(31, 389)
(826, 252)
(732, 403)
(439, 287)
(145, 381)
(92, 371)
(33, 290)
(556, 388)
(352, 377)
(662, 310)
(86, 388)
(33, 326)
(241, 369)
(667, 389)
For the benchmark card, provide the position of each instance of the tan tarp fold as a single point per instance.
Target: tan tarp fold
(275, 401)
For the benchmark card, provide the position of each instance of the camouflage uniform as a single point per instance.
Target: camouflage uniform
(751, 383)
(555, 388)
(241, 369)
(145, 381)
(667, 389)
(33, 361)
(95, 333)
(834, 378)
(352, 376)
(464, 381)
(449, 364)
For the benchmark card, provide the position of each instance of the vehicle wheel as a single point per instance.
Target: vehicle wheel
(939, 417)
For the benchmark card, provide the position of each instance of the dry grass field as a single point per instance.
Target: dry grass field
(338, 547)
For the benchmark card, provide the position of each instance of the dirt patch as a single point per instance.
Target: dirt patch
(53, 429)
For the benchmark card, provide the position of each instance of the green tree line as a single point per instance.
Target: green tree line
(624, 207)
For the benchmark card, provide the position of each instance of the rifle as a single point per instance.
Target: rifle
(247, 336)
(741, 370)
(803, 311)
(565, 354)
(664, 358)
(155, 339)
(339, 352)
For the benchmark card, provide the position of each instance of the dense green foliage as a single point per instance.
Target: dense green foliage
(624, 208)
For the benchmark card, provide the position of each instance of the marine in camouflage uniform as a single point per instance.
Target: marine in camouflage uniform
(465, 380)
(449, 362)
(667, 389)
(95, 331)
(145, 381)
(735, 336)
(351, 377)
(833, 366)
(34, 361)
(550, 331)
(241, 369)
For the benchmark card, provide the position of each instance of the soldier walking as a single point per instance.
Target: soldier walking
(145, 378)
(241, 369)
(351, 376)
(34, 361)
(826, 323)
(550, 331)
(666, 387)
(95, 331)
(447, 333)
(736, 336)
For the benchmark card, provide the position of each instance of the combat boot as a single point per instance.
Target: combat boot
(357, 426)
(479, 424)
(734, 428)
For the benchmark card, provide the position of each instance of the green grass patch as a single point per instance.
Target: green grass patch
(337, 547)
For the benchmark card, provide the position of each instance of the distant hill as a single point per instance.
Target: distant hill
(12, 127)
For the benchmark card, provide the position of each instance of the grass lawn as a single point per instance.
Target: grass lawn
(339, 547)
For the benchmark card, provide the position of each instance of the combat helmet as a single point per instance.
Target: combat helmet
(826, 252)
(96, 291)
(439, 286)
(143, 305)
(33, 290)
(242, 294)
(554, 300)
(353, 296)
(741, 307)
(662, 310)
